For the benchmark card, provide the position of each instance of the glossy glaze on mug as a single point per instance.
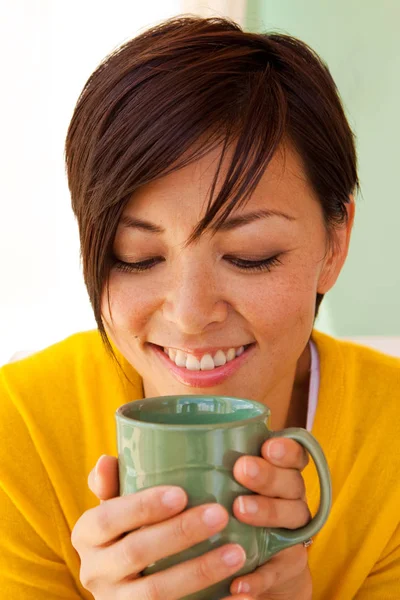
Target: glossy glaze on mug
(194, 442)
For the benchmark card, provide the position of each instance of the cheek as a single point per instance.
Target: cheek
(281, 302)
(130, 304)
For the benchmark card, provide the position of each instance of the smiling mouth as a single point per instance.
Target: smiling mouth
(207, 362)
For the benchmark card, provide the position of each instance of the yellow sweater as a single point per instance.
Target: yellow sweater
(57, 417)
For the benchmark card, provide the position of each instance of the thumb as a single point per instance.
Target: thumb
(103, 479)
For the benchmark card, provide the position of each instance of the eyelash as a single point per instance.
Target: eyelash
(265, 264)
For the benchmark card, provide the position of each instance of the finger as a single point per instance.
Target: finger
(103, 479)
(189, 577)
(284, 452)
(259, 476)
(260, 511)
(137, 550)
(287, 565)
(113, 518)
(238, 597)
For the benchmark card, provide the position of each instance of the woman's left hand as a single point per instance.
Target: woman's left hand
(279, 501)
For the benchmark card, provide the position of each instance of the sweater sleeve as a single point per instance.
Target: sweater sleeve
(29, 569)
(383, 583)
(32, 566)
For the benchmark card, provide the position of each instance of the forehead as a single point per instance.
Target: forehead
(185, 192)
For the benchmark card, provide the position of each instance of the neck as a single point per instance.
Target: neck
(293, 411)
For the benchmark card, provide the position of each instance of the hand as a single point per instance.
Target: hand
(119, 538)
(280, 502)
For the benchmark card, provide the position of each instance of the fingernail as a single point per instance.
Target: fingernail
(233, 556)
(276, 450)
(172, 498)
(251, 468)
(247, 505)
(243, 587)
(213, 515)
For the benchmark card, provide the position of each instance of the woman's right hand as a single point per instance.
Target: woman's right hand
(124, 534)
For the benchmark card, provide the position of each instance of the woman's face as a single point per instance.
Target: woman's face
(201, 303)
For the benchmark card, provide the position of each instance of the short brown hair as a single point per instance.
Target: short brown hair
(146, 105)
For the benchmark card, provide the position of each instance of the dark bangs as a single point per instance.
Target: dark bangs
(173, 93)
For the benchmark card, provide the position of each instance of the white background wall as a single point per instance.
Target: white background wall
(48, 48)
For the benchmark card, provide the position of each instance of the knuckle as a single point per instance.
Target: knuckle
(266, 579)
(298, 514)
(299, 486)
(270, 475)
(152, 589)
(273, 511)
(142, 508)
(102, 519)
(205, 569)
(183, 528)
(86, 577)
(129, 554)
(287, 513)
(77, 533)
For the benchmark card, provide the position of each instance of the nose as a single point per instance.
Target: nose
(194, 301)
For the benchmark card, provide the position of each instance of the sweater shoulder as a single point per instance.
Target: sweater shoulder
(59, 360)
(70, 348)
(367, 380)
(63, 373)
(360, 362)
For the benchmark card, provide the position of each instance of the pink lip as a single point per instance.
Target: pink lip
(203, 378)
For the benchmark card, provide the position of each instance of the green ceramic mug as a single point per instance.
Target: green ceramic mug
(194, 442)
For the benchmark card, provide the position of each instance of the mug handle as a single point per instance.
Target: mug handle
(278, 539)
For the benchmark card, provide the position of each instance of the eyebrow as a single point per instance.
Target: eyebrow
(227, 225)
(129, 221)
(241, 220)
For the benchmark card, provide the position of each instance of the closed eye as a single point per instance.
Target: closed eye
(265, 264)
(136, 267)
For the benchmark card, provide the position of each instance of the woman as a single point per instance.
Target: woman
(212, 173)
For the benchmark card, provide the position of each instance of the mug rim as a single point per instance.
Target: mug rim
(120, 416)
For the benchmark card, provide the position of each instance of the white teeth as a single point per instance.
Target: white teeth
(219, 358)
(192, 363)
(172, 353)
(207, 363)
(230, 355)
(180, 359)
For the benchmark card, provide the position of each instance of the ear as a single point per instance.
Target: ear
(337, 251)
